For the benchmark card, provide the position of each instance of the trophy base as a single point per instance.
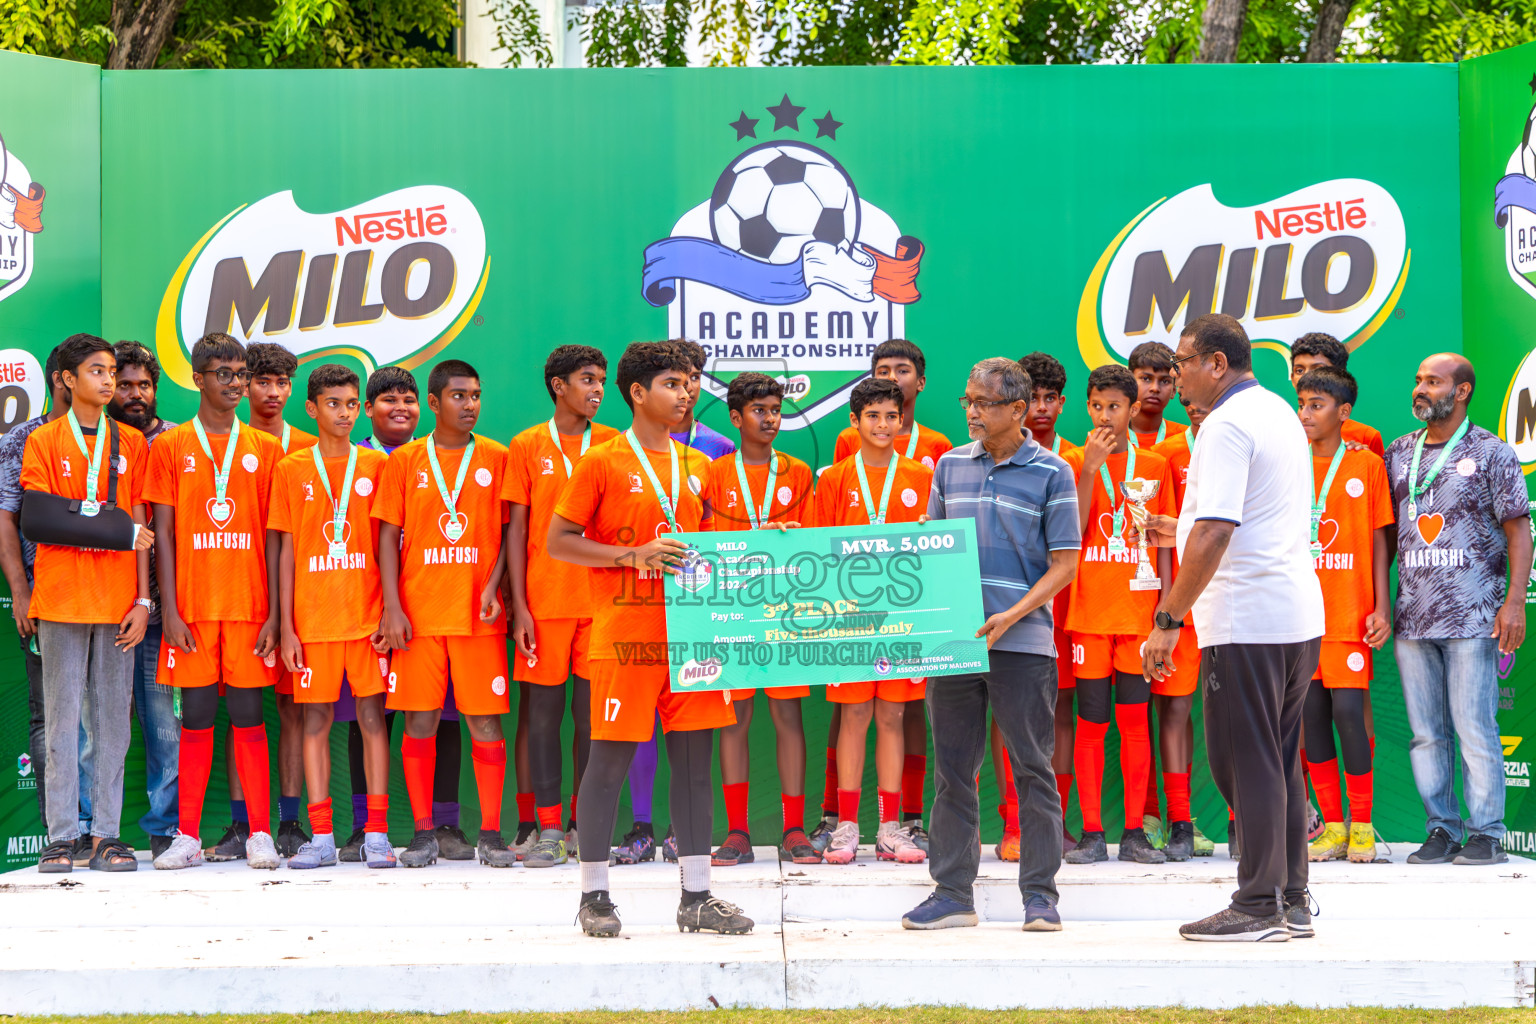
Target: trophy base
(1152, 584)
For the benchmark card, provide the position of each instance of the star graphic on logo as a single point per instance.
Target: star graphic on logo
(1533, 84)
(827, 127)
(786, 115)
(746, 127)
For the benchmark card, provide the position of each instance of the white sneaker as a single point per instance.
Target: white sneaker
(895, 843)
(184, 852)
(845, 843)
(261, 852)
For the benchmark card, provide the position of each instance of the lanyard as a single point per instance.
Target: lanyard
(668, 500)
(912, 444)
(1321, 501)
(287, 436)
(876, 518)
(586, 442)
(1117, 541)
(755, 516)
(693, 434)
(90, 506)
(1056, 445)
(1414, 487)
(1162, 435)
(455, 528)
(337, 541)
(220, 510)
(1189, 440)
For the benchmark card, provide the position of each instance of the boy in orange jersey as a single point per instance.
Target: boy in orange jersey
(878, 485)
(755, 488)
(1174, 695)
(1107, 617)
(209, 485)
(1351, 515)
(441, 560)
(1151, 363)
(552, 600)
(1311, 351)
(615, 517)
(272, 368)
(330, 601)
(92, 605)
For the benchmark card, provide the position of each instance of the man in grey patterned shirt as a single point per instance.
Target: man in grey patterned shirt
(1463, 534)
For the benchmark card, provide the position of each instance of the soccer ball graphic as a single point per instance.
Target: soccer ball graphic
(778, 196)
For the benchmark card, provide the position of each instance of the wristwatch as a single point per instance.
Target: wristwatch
(146, 604)
(1166, 621)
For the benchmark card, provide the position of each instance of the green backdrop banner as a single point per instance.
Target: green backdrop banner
(787, 219)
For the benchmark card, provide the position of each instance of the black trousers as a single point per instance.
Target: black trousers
(1254, 695)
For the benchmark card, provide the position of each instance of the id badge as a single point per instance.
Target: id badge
(337, 549)
(1117, 533)
(219, 510)
(1317, 550)
(1117, 545)
(454, 530)
(90, 508)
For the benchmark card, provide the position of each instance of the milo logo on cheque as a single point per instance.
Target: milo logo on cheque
(699, 673)
(393, 279)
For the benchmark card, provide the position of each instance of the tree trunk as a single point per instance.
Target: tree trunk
(1221, 30)
(1323, 47)
(141, 32)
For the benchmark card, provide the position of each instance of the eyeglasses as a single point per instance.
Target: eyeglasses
(966, 403)
(1174, 366)
(224, 375)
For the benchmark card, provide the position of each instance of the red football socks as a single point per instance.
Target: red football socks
(320, 817)
(378, 813)
(888, 805)
(418, 762)
(829, 798)
(573, 805)
(914, 771)
(1063, 790)
(1177, 785)
(794, 811)
(1361, 792)
(548, 817)
(1088, 759)
(490, 761)
(1010, 790)
(1150, 807)
(193, 766)
(847, 805)
(253, 764)
(1325, 783)
(736, 805)
(1135, 758)
(526, 810)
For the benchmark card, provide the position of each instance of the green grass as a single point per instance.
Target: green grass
(918, 1015)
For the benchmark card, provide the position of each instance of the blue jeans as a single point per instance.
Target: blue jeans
(156, 706)
(1452, 695)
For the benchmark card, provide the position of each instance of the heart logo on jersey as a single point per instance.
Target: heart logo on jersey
(442, 524)
(1322, 531)
(1106, 520)
(1430, 525)
(229, 513)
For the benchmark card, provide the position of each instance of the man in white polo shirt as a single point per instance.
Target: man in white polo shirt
(1247, 575)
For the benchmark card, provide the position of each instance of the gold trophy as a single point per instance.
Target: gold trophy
(1137, 493)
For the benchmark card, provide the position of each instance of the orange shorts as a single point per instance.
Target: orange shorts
(223, 656)
(894, 691)
(626, 699)
(325, 664)
(1100, 655)
(1065, 679)
(776, 692)
(1186, 667)
(1345, 665)
(561, 646)
(418, 678)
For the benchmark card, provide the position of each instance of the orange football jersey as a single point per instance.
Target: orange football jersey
(535, 477)
(791, 499)
(333, 598)
(1178, 452)
(1356, 431)
(221, 568)
(441, 579)
(1149, 439)
(1359, 503)
(839, 499)
(930, 445)
(72, 584)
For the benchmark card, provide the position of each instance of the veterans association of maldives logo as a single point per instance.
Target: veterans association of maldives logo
(392, 279)
(785, 268)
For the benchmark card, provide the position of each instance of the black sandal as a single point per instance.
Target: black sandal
(114, 855)
(57, 857)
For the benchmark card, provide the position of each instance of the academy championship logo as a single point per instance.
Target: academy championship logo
(21, 217)
(1331, 257)
(786, 269)
(390, 280)
(1515, 211)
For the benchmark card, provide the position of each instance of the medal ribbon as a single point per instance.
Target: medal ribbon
(1162, 435)
(754, 516)
(287, 436)
(1118, 524)
(450, 501)
(1415, 489)
(586, 442)
(339, 508)
(1321, 501)
(220, 472)
(668, 500)
(94, 456)
(1056, 445)
(912, 443)
(875, 518)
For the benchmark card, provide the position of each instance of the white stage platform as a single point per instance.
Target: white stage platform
(224, 938)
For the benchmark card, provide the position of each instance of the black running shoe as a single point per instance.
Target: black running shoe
(289, 838)
(1481, 849)
(1235, 926)
(231, 846)
(452, 843)
(1298, 916)
(712, 914)
(352, 851)
(1181, 841)
(494, 852)
(422, 851)
(737, 849)
(1135, 846)
(669, 846)
(1090, 849)
(597, 915)
(638, 844)
(1439, 848)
